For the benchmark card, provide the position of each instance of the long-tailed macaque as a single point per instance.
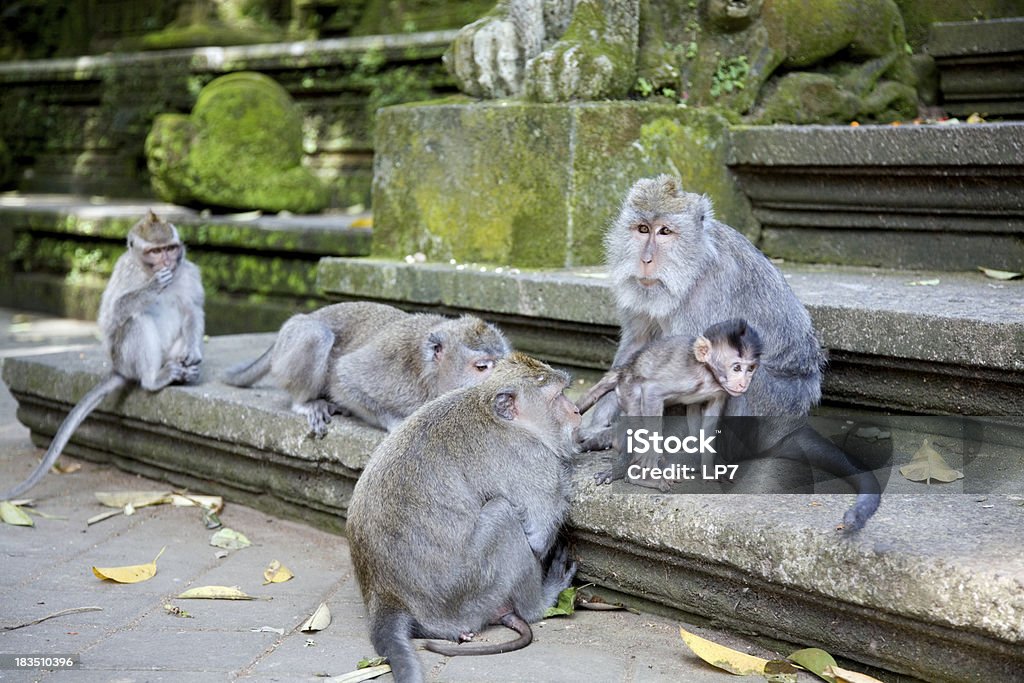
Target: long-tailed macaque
(151, 319)
(454, 523)
(700, 373)
(373, 361)
(674, 270)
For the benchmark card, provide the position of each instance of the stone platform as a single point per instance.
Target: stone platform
(953, 346)
(932, 588)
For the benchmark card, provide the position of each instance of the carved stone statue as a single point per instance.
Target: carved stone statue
(769, 60)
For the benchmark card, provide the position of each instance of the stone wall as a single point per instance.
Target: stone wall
(78, 125)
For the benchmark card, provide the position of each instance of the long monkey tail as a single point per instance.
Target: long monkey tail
(510, 620)
(606, 384)
(67, 428)
(249, 372)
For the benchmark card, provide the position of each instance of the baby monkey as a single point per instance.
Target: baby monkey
(700, 373)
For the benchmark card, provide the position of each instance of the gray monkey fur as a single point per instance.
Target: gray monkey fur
(454, 523)
(372, 360)
(152, 324)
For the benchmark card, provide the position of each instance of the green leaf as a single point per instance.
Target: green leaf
(565, 606)
(12, 514)
(814, 660)
(229, 539)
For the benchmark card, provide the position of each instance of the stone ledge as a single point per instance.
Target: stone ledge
(938, 197)
(257, 270)
(931, 588)
(954, 347)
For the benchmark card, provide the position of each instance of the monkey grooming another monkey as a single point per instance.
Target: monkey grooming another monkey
(373, 361)
(675, 269)
(679, 371)
(454, 523)
(151, 318)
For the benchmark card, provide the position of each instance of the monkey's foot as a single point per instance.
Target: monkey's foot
(466, 636)
(318, 415)
(647, 463)
(190, 373)
(607, 476)
(595, 440)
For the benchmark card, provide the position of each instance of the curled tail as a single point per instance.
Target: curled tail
(511, 620)
(606, 384)
(248, 373)
(67, 428)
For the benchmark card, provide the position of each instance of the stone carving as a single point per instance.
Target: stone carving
(770, 60)
(241, 148)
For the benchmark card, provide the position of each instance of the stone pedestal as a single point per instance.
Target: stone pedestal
(533, 185)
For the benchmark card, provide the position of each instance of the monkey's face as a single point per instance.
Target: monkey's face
(534, 398)
(157, 257)
(734, 372)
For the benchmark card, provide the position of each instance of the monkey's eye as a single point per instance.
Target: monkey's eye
(736, 367)
(483, 365)
(643, 229)
(664, 230)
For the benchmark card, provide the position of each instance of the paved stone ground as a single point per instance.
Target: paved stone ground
(47, 569)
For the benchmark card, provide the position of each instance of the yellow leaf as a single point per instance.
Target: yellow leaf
(61, 468)
(363, 222)
(924, 283)
(276, 573)
(215, 593)
(928, 464)
(215, 503)
(730, 660)
(318, 621)
(12, 514)
(844, 676)
(131, 574)
(136, 499)
(999, 274)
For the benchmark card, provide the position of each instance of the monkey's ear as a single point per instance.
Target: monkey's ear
(702, 349)
(705, 210)
(505, 404)
(152, 217)
(433, 347)
(669, 185)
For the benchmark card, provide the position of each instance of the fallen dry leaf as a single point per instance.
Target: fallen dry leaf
(318, 621)
(135, 573)
(844, 676)
(276, 573)
(779, 671)
(215, 593)
(136, 499)
(928, 464)
(923, 283)
(360, 675)
(999, 274)
(727, 659)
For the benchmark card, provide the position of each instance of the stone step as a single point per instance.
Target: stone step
(257, 269)
(932, 588)
(910, 341)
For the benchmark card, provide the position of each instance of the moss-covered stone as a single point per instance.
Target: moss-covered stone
(533, 185)
(241, 148)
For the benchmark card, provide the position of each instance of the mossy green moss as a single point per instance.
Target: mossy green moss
(241, 148)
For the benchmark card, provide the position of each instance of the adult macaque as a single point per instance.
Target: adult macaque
(373, 361)
(454, 523)
(675, 269)
(700, 373)
(151, 318)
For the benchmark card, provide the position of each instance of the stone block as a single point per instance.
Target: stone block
(981, 66)
(533, 185)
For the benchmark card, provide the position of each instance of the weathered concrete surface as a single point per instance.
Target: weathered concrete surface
(952, 347)
(938, 197)
(981, 65)
(133, 638)
(533, 185)
(59, 251)
(933, 587)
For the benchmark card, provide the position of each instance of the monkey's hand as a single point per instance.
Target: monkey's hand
(485, 56)
(595, 439)
(162, 278)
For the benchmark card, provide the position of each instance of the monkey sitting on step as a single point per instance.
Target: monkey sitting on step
(373, 361)
(454, 523)
(700, 373)
(151, 318)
